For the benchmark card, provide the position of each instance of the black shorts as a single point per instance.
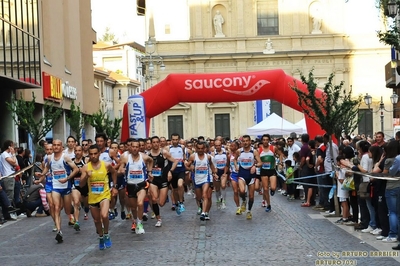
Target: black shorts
(160, 182)
(267, 172)
(176, 177)
(83, 190)
(132, 190)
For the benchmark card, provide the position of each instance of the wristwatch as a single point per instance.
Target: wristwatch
(115, 186)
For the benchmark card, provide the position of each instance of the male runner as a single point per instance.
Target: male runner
(220, 160)
(267, 171)
(202, 176)
(137, 167)
(94, 174)
(60, 166)
(246, 160)
(162, 174)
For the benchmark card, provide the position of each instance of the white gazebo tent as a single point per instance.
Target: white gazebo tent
(274, 125)
(302, 124)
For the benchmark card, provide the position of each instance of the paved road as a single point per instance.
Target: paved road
(289, 235)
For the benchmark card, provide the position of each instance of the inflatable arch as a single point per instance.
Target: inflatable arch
(213, 87)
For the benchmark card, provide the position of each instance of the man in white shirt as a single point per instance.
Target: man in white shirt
(292, 148)
(9, 164)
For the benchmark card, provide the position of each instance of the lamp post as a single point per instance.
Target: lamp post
(394, 98)
(149, 64)
(392, 8)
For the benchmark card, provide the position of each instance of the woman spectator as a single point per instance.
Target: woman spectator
(378, 195)
(392, 192)
(365, 166)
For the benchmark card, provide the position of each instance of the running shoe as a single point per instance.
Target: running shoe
(158, 223)
(111, 215)
(107, 241)
(59, 237)
(239, 211)
(116, 212)
(199, 210)
(268, 209)
(77, 226)
(272, 192)
(173, 207)
(145, 217)
(243, 206)
(202, 216)
(207, 217)
(263, 204)
(189, 193)
(153, 215)
(55, 228)
(218, 205)
(71, 221)
(139, 229)
(85, 217)
(128, 216)
(182, 207)
(133, 227)
(123, 215)
(102, 246)
(178, 211)
(249, 216)
(223, 205)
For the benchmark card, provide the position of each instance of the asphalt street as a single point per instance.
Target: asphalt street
(289, 235)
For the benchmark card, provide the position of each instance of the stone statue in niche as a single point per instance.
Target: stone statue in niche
(316, 17)
(218, 21)
(268, 47)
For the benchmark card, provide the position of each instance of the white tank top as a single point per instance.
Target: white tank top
(58, 171)
(201, 169)
(220, 160)
(246, 159)
(232, 164)
(105, 156)
(135, 170)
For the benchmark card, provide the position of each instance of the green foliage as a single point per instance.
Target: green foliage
(97, 120)
(108, 36)
(390, 36)
(23, 115)
(75, 120)
(113, 129)
(336, 111)
(103, 124)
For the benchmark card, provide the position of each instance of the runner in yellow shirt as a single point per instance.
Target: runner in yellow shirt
(95, 175)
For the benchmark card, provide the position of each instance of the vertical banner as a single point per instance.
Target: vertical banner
(263, 110)
(136, 115)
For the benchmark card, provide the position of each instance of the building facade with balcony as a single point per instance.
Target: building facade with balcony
(48, 51)
(296, 36)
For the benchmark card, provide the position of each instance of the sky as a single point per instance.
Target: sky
(120, 17)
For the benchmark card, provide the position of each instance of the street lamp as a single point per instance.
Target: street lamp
(393, 99)
(392, 8)
(149, 63)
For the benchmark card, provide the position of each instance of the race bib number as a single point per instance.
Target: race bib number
(246, 163)
(156, 171)
(258, 171)
(135, 174)
(180, 163)
(201, 170)
(221, 164)
(59, 174)
(77, 180)
(266, 166)
(97, 188)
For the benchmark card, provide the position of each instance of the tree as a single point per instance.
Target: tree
(109, 36)
(96, 120)
(114, 128)
(336, 111)
(391, 35)
(75, 120)
(23, 116)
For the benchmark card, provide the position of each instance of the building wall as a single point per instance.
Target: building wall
(66, 46)
(347, 46)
